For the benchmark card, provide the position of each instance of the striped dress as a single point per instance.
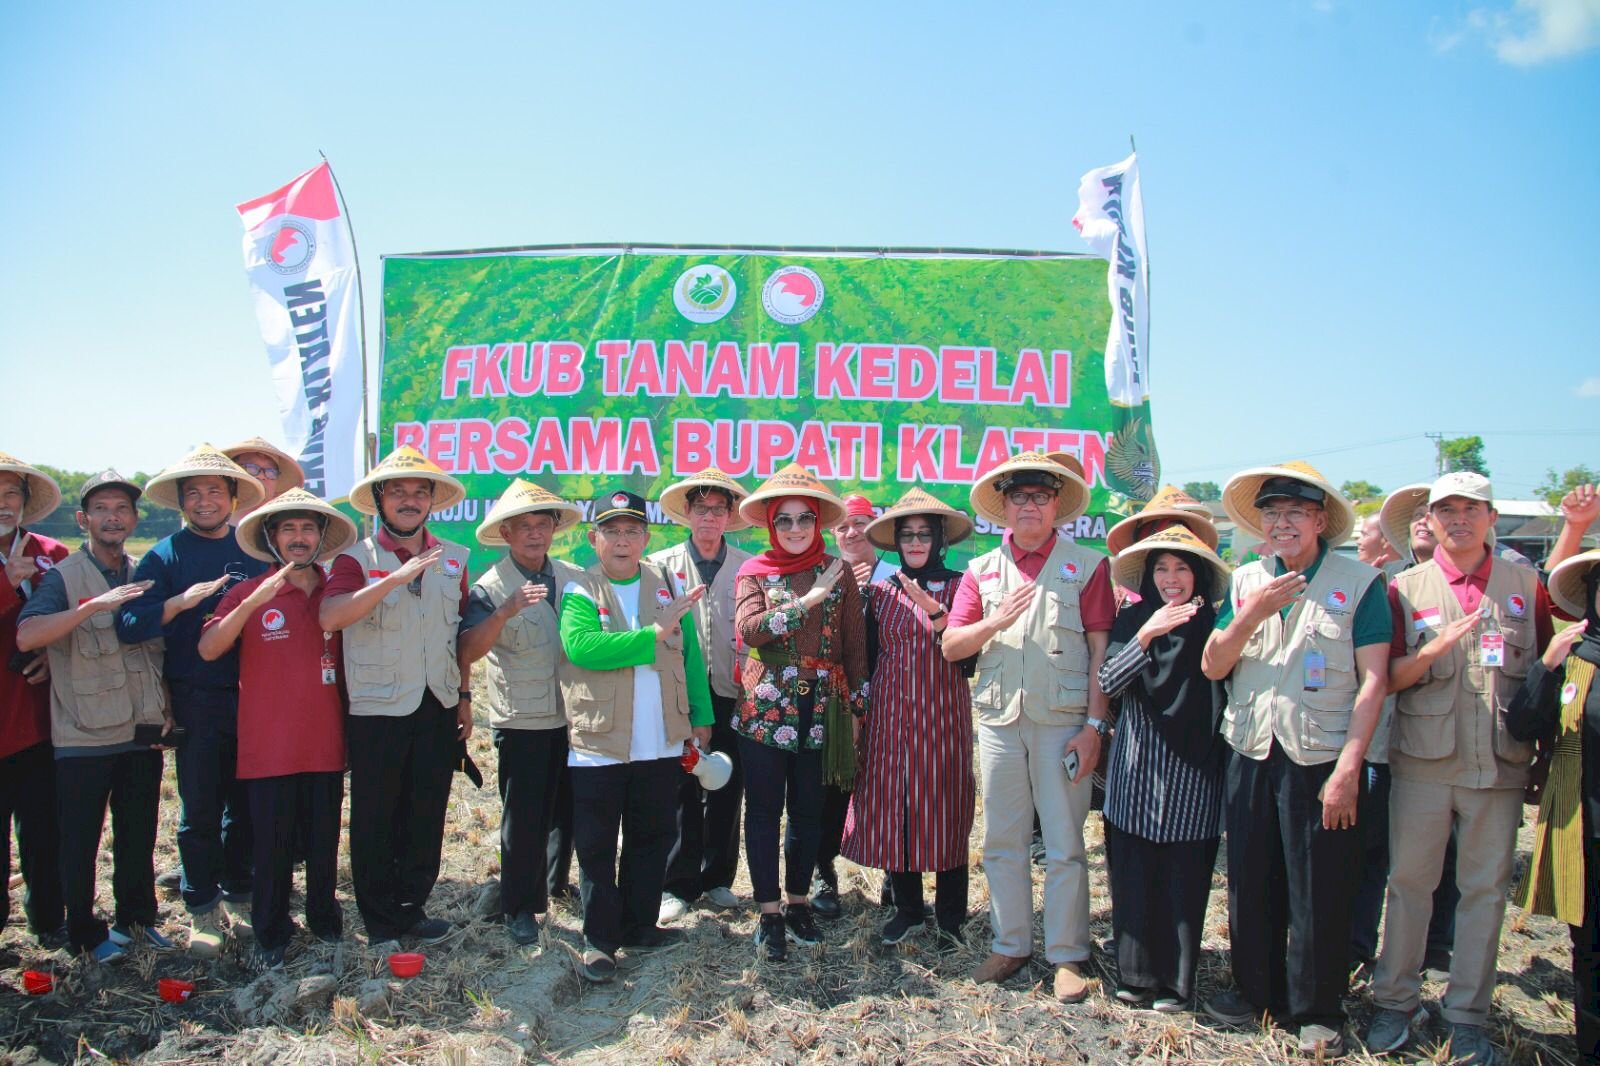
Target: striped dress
(913, 804)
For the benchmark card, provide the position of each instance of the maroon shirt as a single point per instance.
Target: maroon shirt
(1469, 590)
(1097, 605)
(24, 708)
(346, 577)
(289, 721)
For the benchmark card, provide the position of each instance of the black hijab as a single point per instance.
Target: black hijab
(934, 569)
(1588, 648)
(1181, 700)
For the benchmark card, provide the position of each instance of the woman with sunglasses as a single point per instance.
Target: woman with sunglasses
(803, 685)
(913, 805)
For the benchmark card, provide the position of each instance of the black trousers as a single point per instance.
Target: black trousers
(1291, 884)
(706, 852)
(621, 899)
(558, 849)
(129, 784)
(28, 798)
(400, 770)
(777, 780)
(1158, 909)
(531, 762)
(295, 809)
(830, 831)
(214, 833)
(1586, 958)
(949, 899)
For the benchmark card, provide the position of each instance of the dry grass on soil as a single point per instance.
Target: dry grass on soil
(483, 1000)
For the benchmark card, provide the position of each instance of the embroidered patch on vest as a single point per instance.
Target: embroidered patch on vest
(1426, 618)
(1069, 571)
(1338, 601)
(44, 562)
(663, 597)
(452, 567)
(986, 578)
(1516, 605)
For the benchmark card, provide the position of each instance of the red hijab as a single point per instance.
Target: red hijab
(776, 560)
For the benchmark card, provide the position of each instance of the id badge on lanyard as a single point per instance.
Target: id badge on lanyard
(330, 669)
(1491, 642)
(1315, 664)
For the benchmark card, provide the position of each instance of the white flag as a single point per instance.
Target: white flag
(302, 268)
(1111, 219)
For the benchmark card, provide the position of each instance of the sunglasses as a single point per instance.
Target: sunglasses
(803, 520)
(920, 536)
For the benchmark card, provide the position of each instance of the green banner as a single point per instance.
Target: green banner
(588, 369)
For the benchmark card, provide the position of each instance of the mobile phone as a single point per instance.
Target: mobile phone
(1071, 765)
(146, 735)
(21, 660)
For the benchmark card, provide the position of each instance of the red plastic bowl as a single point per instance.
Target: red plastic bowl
(36, 983)
(406, 963)
(174, 990)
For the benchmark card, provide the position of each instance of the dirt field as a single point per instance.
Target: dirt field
(483, 1000)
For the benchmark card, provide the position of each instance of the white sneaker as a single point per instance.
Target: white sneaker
(206, 934)
(238, 919)
(722, 897)
(672, 908)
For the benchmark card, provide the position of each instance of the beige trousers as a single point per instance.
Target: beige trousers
(1420, 817)
(1020, 770)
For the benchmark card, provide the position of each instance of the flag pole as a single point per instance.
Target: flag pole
(1149, 284)
(361, 312)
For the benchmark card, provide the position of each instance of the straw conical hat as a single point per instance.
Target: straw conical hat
(44, 495)
(524, 497)
(1394, 517)
(290, 476)
(339, 534)
(957, 526)
(1239, 496)
(404, 462)
(1070, 461)
(1072, 501)
(1128, 567)
(204, 461)
(675, 500)
(1567, 583)
(792, 480)
(1170, 504)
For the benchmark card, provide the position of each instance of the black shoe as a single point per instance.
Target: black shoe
(270, 958)
(52, 939)
(773, 935)
(170, 880)
(597, 967)
(430, 931)
(1036, 850)
(802, 927)
(903, 925)
(328, 936)
(658, 937)
(886, 893)
(949, 941)
(523, 928)
(566, 891)
(1230, 1008)
(825, 900)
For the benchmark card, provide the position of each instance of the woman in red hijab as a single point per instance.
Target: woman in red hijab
(805, 686)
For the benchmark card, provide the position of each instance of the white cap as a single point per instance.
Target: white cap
(1463, 483)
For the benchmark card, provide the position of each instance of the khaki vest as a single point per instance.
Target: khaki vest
(100, 688)
(407, 643)
(713, 615)
(1267, 697)
(1450, 726)
(600, 702)
(1040, 665)
(521, 666)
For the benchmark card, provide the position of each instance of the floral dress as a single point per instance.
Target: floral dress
(791, 647)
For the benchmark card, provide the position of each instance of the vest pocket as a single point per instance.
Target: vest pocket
(1324, 720)
(1519, 652)
(1236, 714)
(1423, 729)
(98, 639)
(589, 705)
(988, 695)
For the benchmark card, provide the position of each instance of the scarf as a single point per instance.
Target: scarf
(1588, 649)
(775, 560)
(1182, 701)
(934, 569)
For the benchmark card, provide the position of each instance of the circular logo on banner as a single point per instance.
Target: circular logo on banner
(792, 294)
(272, 620)
(704, 293)
(291, 249)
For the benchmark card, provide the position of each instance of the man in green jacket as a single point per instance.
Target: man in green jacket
(635, 687)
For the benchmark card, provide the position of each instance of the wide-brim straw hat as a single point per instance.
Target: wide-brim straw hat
(957, 526)
(338, 535)
(1394, 517)
(1568, 580)
(406, 462)
(1071, 501)
(675, 500)
(44, 495)
(1128, 567)
(204, 461)
(524, 497)
(1239, 499)
(792, 480)
(290, 476)
(1170, 504)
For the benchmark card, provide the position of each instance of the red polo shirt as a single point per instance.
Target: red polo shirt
(24, 708)
(1468, 590)
(289, 721)
(1097, 605)
(346, 577)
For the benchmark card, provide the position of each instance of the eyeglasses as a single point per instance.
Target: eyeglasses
(624, 532)
(917, 536)
(1022, 498)
(701, 510)
(268, 472)
(803, 520)
(1293, 515)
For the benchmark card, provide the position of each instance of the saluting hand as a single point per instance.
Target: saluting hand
(862, 572)
(1560, 646)
(417, 565)
(524, 596)
(1273, 597)
(819, 592)
(669, 616)
(263, 593)
(199, 592)
(1165, 620)
(1014, 605)
(110, 601)
(918, 595)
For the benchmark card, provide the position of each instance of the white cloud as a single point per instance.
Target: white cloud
(1589, 387)
(1530, 32)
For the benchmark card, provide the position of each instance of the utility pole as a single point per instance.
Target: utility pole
(1438, 452)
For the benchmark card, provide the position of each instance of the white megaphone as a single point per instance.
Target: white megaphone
(712, 769)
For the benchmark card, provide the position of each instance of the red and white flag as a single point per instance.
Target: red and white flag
(1111, 220)
(301, 262)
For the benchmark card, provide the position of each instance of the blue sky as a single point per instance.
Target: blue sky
(1367, 221)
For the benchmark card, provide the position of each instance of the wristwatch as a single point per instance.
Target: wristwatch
(465, 693)
(936, 615)
(1098, 725)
